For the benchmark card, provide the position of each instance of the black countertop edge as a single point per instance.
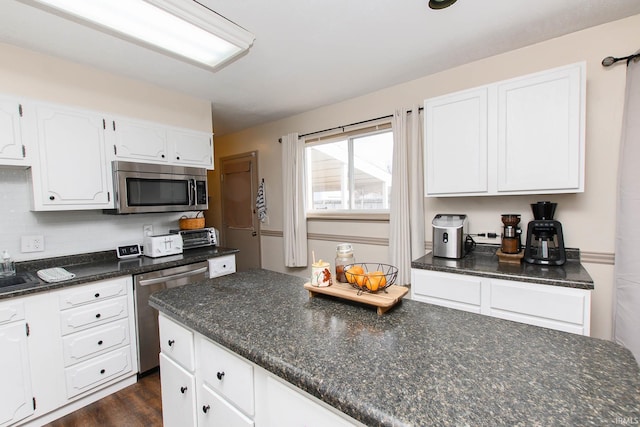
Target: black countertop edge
(483, 262)
(103, 265)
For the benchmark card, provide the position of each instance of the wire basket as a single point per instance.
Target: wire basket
(370, 276)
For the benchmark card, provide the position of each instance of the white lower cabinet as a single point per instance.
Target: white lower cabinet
(232, 391)
(178, 394)
(554, 307)
(53, 370)
(16, 397)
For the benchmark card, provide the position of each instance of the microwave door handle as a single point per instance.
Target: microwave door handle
(192, 192)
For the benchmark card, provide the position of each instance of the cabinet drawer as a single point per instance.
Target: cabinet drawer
(90, 315)
(543, 301)
(87, 375)
(95, 341)
(455, 291)
(213, 410)
(11, 312)
(176, 342)
(226, 373)
(92, 293)
(178, 394)
(221, 266)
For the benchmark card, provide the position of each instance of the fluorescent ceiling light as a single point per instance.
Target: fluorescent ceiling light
(181, 27)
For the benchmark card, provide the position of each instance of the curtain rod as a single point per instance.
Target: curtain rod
(351, 124)
(610, 60)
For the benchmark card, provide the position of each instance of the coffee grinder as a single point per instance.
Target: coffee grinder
(511, 243)
(545, 243)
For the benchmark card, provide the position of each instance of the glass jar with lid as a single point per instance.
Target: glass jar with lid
(344, 257)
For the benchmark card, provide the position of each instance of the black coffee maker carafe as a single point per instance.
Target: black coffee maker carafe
(545, 243)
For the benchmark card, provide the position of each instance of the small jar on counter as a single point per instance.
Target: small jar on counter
(344, 257)
(7, 266)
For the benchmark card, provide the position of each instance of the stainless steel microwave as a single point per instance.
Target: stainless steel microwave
(147, 188)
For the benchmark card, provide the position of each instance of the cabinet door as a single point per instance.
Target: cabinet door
(191, 148)
(12, 151)
(213, 410)
(555, 307)
(456, 143)
(73, 172)
(540, 132)
(178, 394)
(449, 290)
(15, 387)
(139, 141)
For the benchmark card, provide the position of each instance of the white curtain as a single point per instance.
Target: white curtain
(406, 221)
(293, 195)
(626, 301)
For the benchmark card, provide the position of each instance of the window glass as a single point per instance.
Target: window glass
(351, 174)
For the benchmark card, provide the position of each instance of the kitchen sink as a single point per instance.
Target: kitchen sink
(18, 279)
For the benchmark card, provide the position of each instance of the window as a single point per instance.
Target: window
(350, 173)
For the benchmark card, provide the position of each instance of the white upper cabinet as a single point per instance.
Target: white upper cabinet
(519, 136)
(72, 171)
(456, 153)
(191, 148)
(148, 142)
(12, 148)
(137, 140)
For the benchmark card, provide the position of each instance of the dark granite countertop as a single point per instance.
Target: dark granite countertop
(483, 262)
(416, 365)
(102, 265)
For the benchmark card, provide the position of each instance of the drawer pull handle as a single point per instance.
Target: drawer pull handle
(205, 408)
(102, 371)
(97, 295)
(171, 342)
(220, 375)
(100, 342)
(98, 316)
(183, 390)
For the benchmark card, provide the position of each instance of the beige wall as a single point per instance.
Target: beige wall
(33, 75)
(588, 218)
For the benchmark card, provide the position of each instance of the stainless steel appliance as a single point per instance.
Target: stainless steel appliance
(449, 235)
(144, 188)
(545, 242)
(162, 245)
(198, 238)
(146, 317)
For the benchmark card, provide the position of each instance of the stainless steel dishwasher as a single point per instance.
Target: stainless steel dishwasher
(147, 317)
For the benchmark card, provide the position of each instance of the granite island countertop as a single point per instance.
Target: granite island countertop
(416, 365)
(103, 265)
(483, 262)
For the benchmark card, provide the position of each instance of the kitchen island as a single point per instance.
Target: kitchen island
(418, 364)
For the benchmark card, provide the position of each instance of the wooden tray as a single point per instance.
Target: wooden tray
(382, 300)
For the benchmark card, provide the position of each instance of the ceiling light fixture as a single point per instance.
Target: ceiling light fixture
(440, 4)
(182, 28)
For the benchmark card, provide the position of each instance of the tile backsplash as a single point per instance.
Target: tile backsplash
(66, 232)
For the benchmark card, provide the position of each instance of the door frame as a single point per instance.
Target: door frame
(253, 157)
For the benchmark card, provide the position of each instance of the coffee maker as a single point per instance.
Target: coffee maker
(545, 242)
(511, 243)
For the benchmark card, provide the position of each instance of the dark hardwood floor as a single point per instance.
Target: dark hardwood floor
(137, 405)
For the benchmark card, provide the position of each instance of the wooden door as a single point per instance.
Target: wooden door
(240, 225)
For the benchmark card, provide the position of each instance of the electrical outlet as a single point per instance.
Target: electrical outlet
(32, 244)
(147, 230)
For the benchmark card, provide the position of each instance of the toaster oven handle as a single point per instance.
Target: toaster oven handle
(148, 282)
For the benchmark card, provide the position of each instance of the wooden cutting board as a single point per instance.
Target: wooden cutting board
(382, 300)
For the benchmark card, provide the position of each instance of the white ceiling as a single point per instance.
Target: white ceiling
(312, 53)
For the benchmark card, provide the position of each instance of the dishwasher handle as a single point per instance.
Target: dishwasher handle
(148, 282)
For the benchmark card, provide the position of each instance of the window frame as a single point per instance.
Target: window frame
(349, 137)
